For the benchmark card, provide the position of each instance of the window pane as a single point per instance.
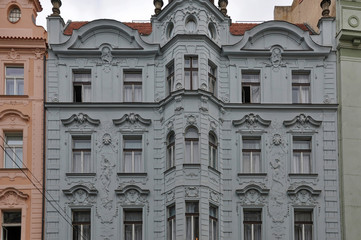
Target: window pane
(20, 87)
(195, 85)
(77, 166)
(192, 207)
(301, 78)
(194, 62)
(252, 216)
(138, 162)
(187, 79)
(255, 94)
(12, 217)
(138, 232)
(246, 162)
(128, 89)
(79, 143)
(133, 142)
(82, 76)
(128, 229)
(133, 77)
(128, 162)
(305, 94)
(137, 93)
(10, 87)
(133, 216)
(195, 152)
(250, 77)
(192, 133)
(256, 162)
(251, 144)
(86, 93)
(14, 71)
(188, 151)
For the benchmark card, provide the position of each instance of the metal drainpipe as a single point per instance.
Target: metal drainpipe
(44, 121)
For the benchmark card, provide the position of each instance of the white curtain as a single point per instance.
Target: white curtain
(86, 93)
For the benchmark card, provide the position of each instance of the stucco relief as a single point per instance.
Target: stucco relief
(302, 121)
(276, 58)
(12, 197)
(13, 54)
(191, 192)
(251, 122)
(303, 195)
(214, 196)
(81, 195)
(253, 194)
(134, 196)
(170, 196)
(80, 119)
(132, 119)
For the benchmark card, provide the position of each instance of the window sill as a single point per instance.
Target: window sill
(191, 165)
(132, 174)
(13, 96)
(252, 174)
(12, 169)
(169, 170)
(212, 169)
(303, 175)
(80, 174)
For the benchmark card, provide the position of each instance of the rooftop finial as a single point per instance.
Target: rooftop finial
(325, 5)
(56, 7)
(158, 6)
(223, 6)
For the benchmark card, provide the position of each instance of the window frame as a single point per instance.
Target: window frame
(212, 77)
(133, 223)
(81, 223)
(4, 225)
(313, 222)
(213, 219)
(170, 77)
(14, 19)
(213, 147)
(171, 223)
(133, 84)
(82, 151)
(14, 79)
(133, 151)
(252, 223)
(191, 69)
(309, 139)
(255, 150)
(82, 84)
(301, 85)
(192, 143)
(14, 156)
(250, 85)
(193, 222)
(170, 147)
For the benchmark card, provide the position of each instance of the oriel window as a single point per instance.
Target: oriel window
(171, 228)
(170, 77)
(192, 221)
(171, 150)
(212, 80)
(192, 146)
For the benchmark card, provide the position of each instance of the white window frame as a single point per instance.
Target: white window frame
(133, 84)
(82, 151)
(133, 151)
(191, 69)
(13, 148)
(84, 96)
(311, 163)
(3, 225)
(258, 138)
(300, 86)
(251, 85)
(192, 141)
(14, 78)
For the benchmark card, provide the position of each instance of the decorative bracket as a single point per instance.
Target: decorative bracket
(80, 118)
(132, 119)
(302, 119)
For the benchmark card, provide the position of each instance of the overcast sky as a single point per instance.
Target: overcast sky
(128, 10)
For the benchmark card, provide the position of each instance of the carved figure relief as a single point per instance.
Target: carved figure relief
(106, 55)
(276, 58)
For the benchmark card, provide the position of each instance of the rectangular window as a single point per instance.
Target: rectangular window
(132, 152)
(81, 225)
(252, 224)
(301, 87)
(82, 86)
(192, 221)
(212, 150)
(302, 155)
(171, 230)
(14, 80)
(251, 89)
(171, 150)
(213, 223)
(11, 225)
(133, 86)
(251, 155)
(133, 224)
(303, 225)
(13, 150)
(81, 154)
(191, 73)
(212, 80)
(191, 146)
(170, 78)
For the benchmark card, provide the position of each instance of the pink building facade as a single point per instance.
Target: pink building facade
(22, 56)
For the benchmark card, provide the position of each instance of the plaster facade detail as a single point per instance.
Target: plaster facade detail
(164, 119)
(22, 53)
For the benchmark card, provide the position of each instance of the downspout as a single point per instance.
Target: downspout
(44, 121)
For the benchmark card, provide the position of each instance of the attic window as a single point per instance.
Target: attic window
(14, 14)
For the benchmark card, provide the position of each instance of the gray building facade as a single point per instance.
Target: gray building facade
(192, 131)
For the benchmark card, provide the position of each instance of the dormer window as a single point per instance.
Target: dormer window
(14, 15)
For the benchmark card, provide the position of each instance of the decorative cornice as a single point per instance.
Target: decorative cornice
(73, 189)
(293, 191)
(302, 119)
(80, 118)
(243, 191)
(252, 120)
(132, 119)
(18, 193)
(15, 112)
(122, 191)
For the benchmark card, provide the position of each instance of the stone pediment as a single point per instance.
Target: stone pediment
(93, 35)
(251, 120)
(132, 119)
(291, 38)
(302, 120)
(80, 119)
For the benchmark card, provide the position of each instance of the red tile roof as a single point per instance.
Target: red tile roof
(146, 28)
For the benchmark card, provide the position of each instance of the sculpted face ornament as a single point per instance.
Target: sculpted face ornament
(106, 55)
(276, 57)
(107, 139)
(277, 139)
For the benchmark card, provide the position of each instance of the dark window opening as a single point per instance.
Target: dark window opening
(77, 94)
(246, 94)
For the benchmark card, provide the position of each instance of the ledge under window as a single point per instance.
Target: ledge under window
(303, 175)
(169, 170)
(80, 174)
(132, 174)
(212, 169)
(252, 174)
(191, 165)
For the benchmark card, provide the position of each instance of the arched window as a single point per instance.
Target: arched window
(170, 150)
(191, 145)
(212, 146)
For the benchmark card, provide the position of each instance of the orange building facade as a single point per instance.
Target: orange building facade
(22, 52)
